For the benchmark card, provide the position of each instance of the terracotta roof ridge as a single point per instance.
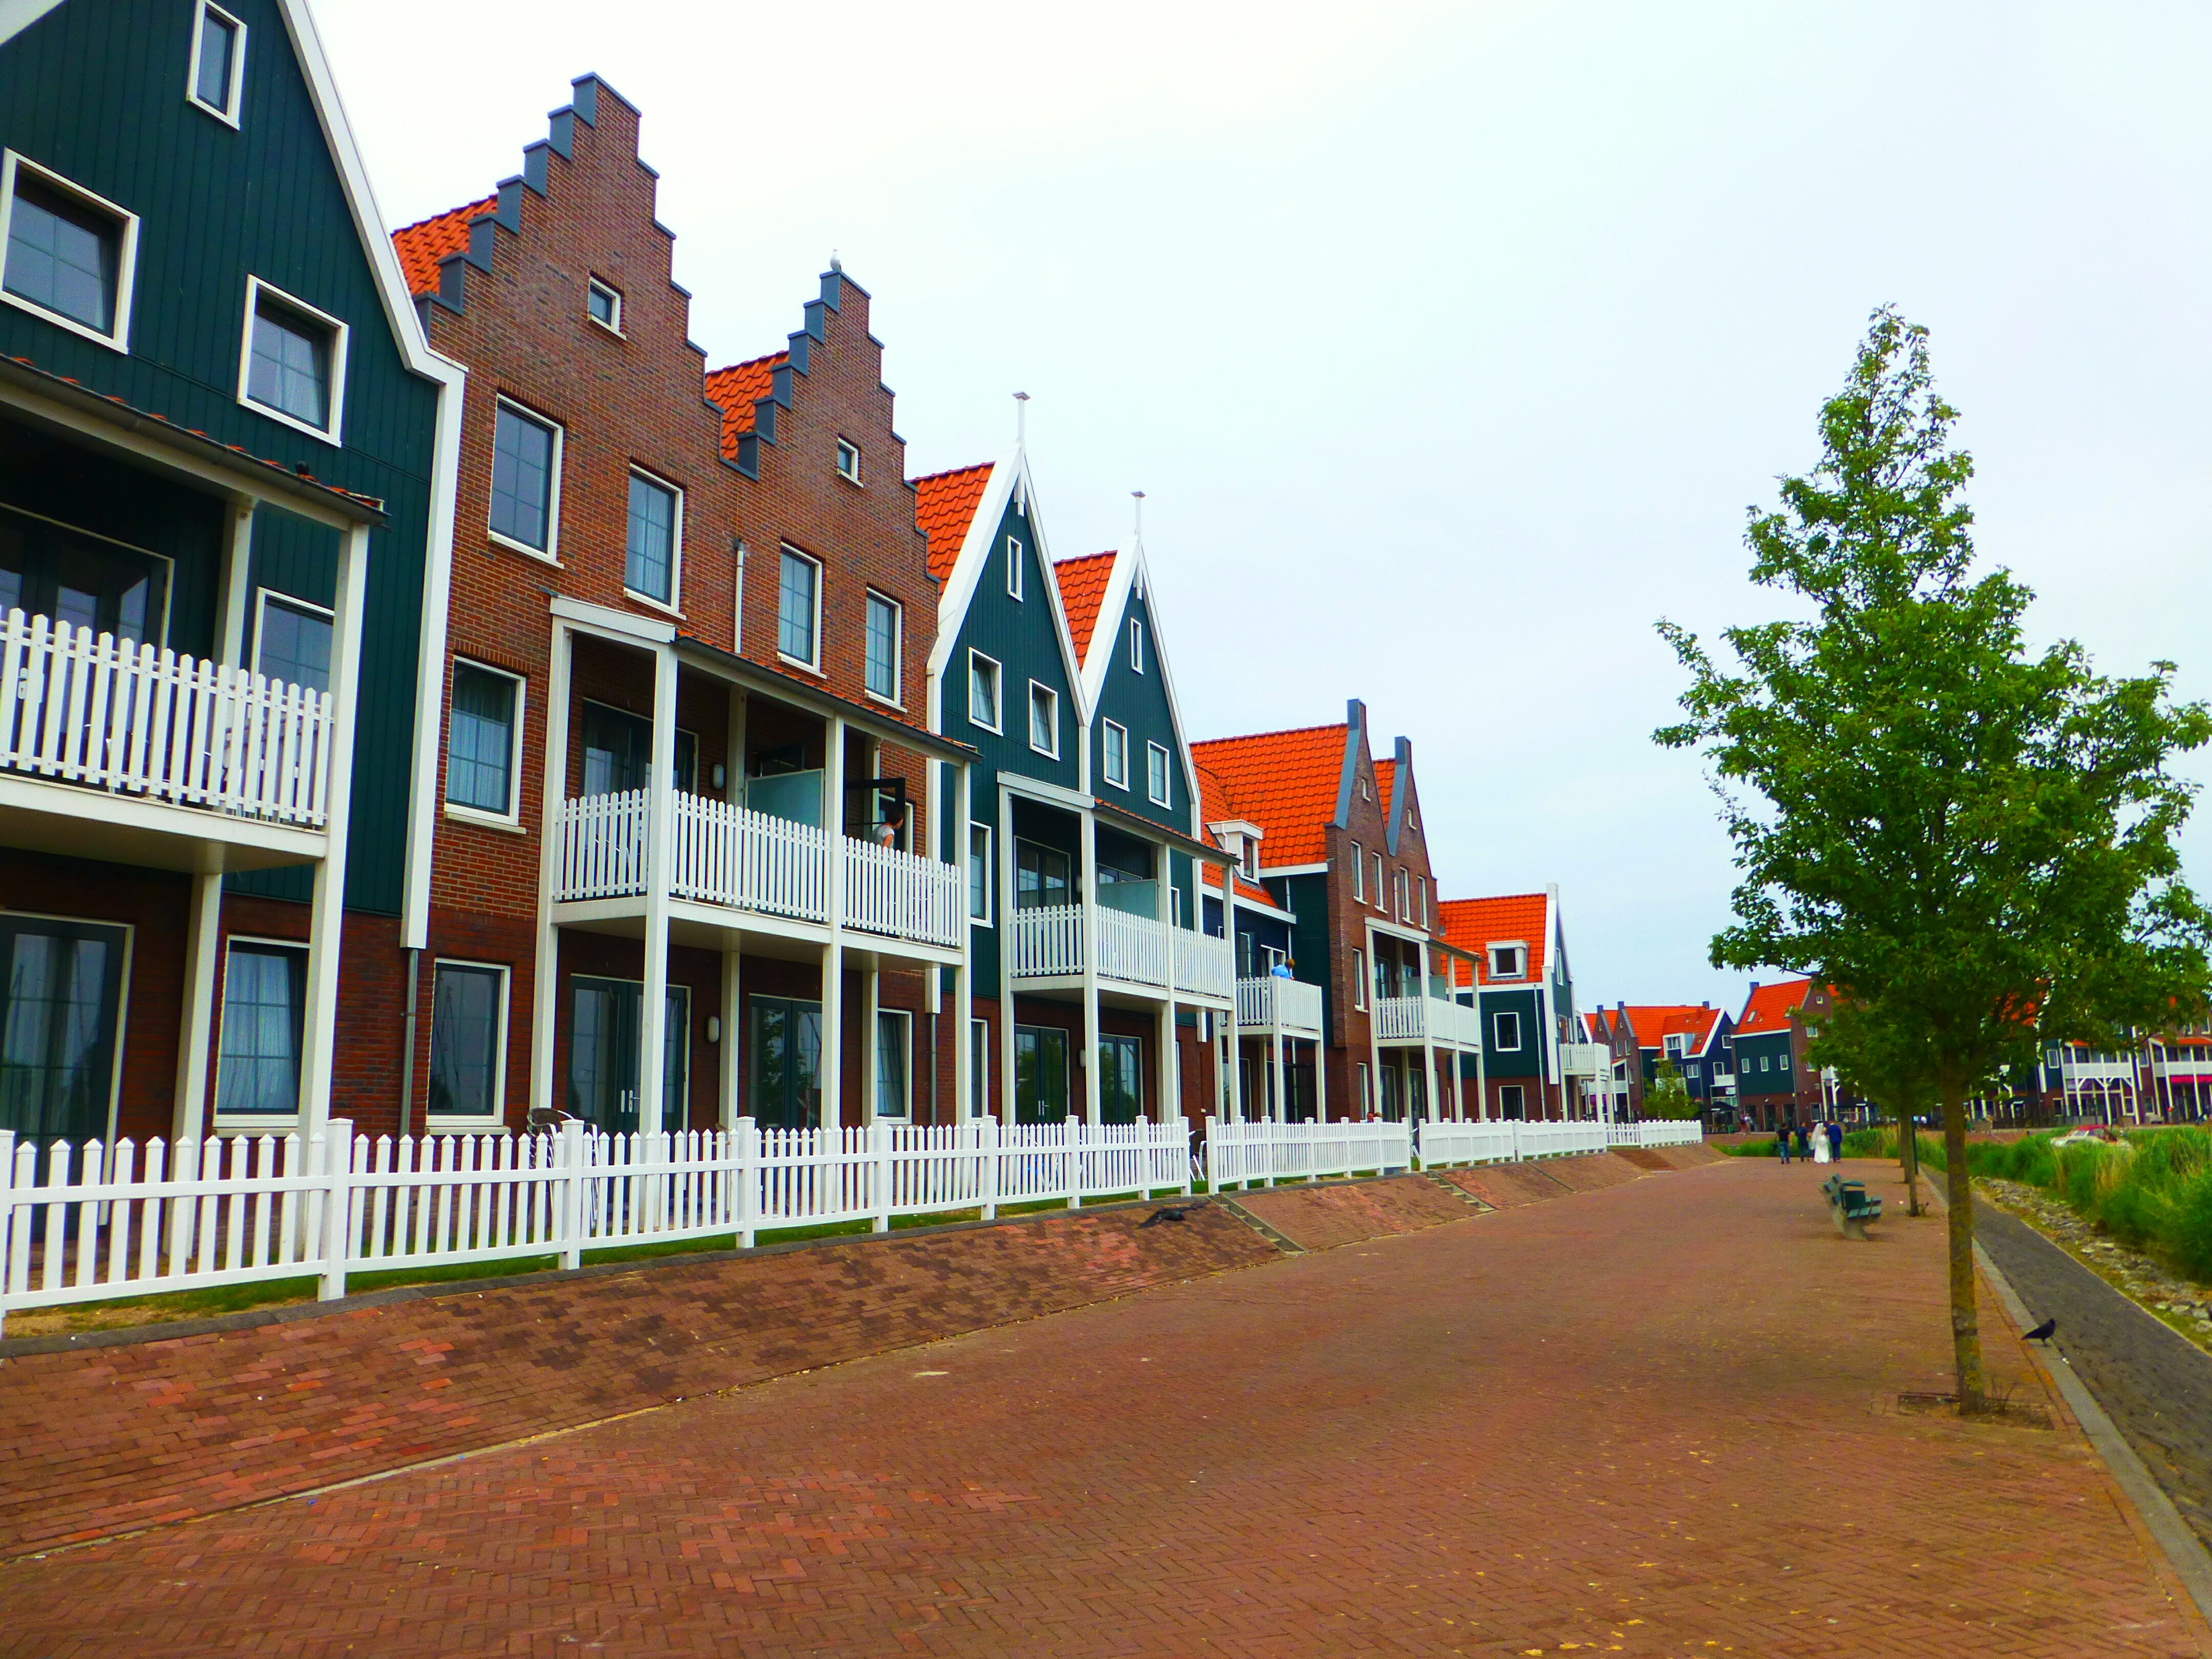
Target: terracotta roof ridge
(1280, 732)
(482, 204)
(951, 472)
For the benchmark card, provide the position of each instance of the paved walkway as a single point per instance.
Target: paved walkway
(1656, 1419)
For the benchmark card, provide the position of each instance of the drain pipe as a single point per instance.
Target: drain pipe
(407, 1064)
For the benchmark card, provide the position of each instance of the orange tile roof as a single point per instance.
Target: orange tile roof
(736, 389)
(945, 505)
(1473, 924)
(1654, 1022)
(1284, 782)
(420, 245)
(1082, 590)
(1768, 1007)
(1246, 891)
(1386, 779)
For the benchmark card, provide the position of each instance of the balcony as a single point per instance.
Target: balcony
(1266, 1002)
(1051, 942)
(110, 749)
(1585, 1059)
(1426, 1019)
(738, 859)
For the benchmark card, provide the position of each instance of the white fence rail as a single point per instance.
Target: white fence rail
(903, 895)
(93, 710)
(1261, 1001)
(1238, 1152)
(100, 1222)
(1409, 1019)
(1049, 942)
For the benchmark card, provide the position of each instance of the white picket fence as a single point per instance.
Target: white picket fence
(1238, 1152)
(90, 709)
(101, 1222)
(903, 895)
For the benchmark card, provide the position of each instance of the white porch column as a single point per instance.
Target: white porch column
(1320, 1074)
(1275, 1041)
(326, 931)
(545, 998)
(733, 1056)
(1481, 1049)
(833, 953)
(964, 1096)
(1086, 1054)
(196, 1031)
(1428, 1105)
(1002, 912)
(1374, 1023)
(1233, 1082)
(236, 581)
(1164, 910)
(659, 876)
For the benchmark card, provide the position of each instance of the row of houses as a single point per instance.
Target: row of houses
(436, 693)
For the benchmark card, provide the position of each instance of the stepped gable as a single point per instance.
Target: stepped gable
(424, 245)
(1286, 782)
(1083, 582)
(944, 505)
(738, 391)
(1472, 924)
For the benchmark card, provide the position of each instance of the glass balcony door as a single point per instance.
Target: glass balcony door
(59, 1011)
(46, 569)
(605, 1029)
(785, 1063)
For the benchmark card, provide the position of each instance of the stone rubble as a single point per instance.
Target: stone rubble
(2142, 1278)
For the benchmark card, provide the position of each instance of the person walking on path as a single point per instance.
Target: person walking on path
(1820, 1143)
(1804, 1147)
(1782, 1143)
(1836, 1142)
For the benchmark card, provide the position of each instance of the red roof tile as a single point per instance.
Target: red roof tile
(1768, 1007)
(945, 505)
(422, 246)
(1082, 591)
(736, 389)
(1654, 1022)
(1246, 891)
(1516, 918)
(1386, 779)
(1284, 782)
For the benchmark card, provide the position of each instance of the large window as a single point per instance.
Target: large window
(60, 1001)
(798, 608)
(293, 643)
(618, 752)
(1044, 720)
(69, 253)
(1510, 1098)
(883, 647)
(218, 62)
(265, 999)
(655, 538)
(979, 881)
(894, 1058)
(47, 569)
(525, 479)
(481, 773)
(1040, 1074)
(605, 1037)
(785, 1063)
(1040, 876)
(1157, 787)
(1505, 1032)
(1121, 1079)
(294, 361)
(1115, 742)
(982, 691)
(468, 1032)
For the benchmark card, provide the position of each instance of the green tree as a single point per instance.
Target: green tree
(1975, 838)
(1887, 1068)
(1667, 1095)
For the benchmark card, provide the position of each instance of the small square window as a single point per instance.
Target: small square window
(982, 691)
(655, 540)
(482, 729)
(848, 460)
(1156, 776)
(798, 602)
(1115, 742)
(1506, 961)
(293, 365)
(69, 255)
(264, 1000)
(883, 647)
(468, 1040)
(1136, 645)
(1505, 1032)
(603, 305)
(526, 476)
(1044, 720)
(1015, 557)
(218, 62)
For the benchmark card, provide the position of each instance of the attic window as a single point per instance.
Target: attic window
(1013, 568)
(1365, 793)
(603, 305)
(1136, 645)
(1251, 859)
(218, 64)
(1507, 960)
(848, 460)
(293, 367)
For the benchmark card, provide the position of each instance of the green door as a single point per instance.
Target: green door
(1040, 1074)
(1121, 1079)
(785, 1063)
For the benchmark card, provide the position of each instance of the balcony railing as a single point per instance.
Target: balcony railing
(1049, 942)
(1267, 1000)
(1586, 1060)
(733, 856)
(91, 710)
(1433, 1019)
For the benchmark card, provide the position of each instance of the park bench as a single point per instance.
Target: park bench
(1850, 1206)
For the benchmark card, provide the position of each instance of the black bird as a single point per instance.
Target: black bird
(1161, 1215)
(2044, 1332)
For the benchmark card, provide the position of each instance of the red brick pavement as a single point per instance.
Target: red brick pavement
(1322, 1218)
(1488, 1437)
(1504, 1186)
(1592, 1172)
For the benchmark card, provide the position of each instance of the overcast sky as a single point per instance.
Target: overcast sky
(1449, 344)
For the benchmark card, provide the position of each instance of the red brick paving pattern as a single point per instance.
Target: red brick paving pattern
(1488, 1436)
(1592, 1172)
(1505, 1186)
(1321, 1218)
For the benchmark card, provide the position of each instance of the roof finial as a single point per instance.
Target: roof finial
(1138, 496)
(1021, 418)
(835, 264)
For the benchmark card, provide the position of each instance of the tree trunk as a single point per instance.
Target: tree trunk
(1908, 1159)
(1958, 1190)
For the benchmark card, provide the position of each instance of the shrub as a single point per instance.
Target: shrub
(2190, 1225)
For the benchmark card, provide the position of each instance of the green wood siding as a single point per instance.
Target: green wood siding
(1306, 898)
(95, 91)
(1527, 1061)
(1139, 703)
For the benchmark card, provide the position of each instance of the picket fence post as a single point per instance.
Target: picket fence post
(1213, 1163)
(1184, 1126)
(986, 1142)
(746, 1139)
(7, 1214)
(337, 1172)
(1071, 1160)
(879, 1170)
(569, 1191)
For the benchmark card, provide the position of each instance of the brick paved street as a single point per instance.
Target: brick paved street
(1656, 1418)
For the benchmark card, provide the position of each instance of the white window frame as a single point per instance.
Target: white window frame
(12, 167)
(512, 818)
(341, 338)
(673, 605)
(1251, 858)
(600, 285)
(1358, 979)
(261, 598)
(1030, 711)
(1519, 1102)
(998, 693)
(846, 446)
(1367, 1090)
(235, 94)
(979, 1064)
(1421, 887)
(498, 1111)
(1136, 645)
(1520, 959)
(786, 550)
(990, 873)
(1497, 1028)
(905, 1019)
(1358, 873)
(1106, 756)
(1166, 797)
(549, 554)
(1382, 902)
(870, 597)
(248, 1122)
(1016, 553)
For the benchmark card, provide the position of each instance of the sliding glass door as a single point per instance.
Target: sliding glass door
(605, 1029)
(59, 1009)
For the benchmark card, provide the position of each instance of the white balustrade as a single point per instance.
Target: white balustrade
(89, 709)
(1049, 941)
(725, 854)
(1260, 1002)
(96, 1222)
(1045, 942)
(1134, 950)
(1204, 966)
(902, 895)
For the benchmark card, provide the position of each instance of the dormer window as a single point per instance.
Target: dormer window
(1250, 859)
(603, 305)
(1507, 960)
(218, 65)
(848, 460)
